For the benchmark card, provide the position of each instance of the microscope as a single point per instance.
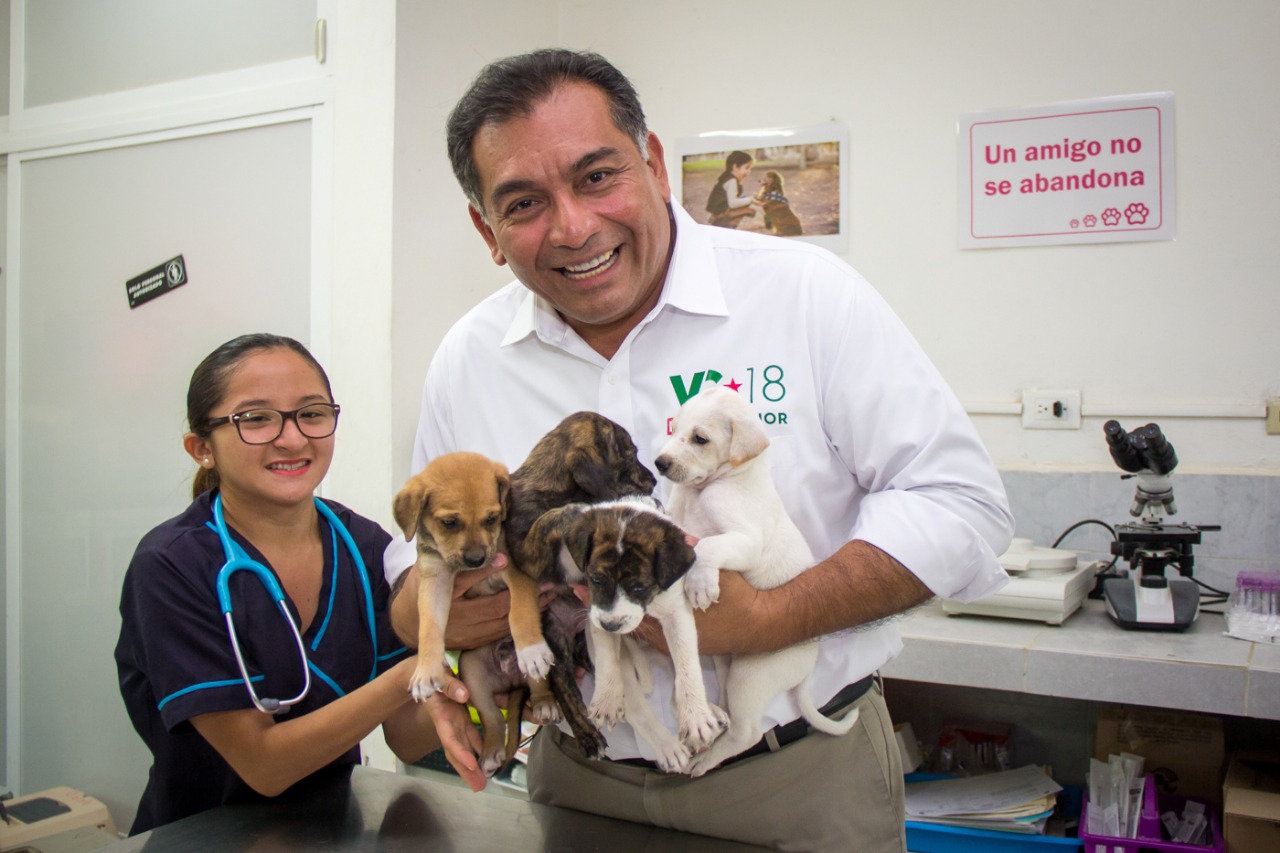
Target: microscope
(1148, 600)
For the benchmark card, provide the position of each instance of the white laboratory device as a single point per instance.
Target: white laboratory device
(1045, 585)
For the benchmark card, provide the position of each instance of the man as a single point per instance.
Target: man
(623, 305)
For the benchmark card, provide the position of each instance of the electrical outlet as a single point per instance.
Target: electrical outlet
(1273, 417)
(1051, 409)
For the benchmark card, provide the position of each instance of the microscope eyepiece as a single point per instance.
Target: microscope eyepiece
(1123, 453)
(1158, 452)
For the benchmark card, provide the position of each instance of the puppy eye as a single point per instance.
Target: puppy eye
(491, 520)
(596, 580)
(699, 439)
(449, 523)
(637, 590)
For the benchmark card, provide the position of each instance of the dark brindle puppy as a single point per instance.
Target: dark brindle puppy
(586, 458)
(633, 560)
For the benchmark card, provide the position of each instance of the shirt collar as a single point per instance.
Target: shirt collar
(692, 286)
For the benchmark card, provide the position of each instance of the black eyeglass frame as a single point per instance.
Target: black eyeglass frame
(285, 417)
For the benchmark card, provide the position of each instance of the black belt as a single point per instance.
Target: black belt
(787, 733)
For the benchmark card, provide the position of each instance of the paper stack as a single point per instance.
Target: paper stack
(1018, 800)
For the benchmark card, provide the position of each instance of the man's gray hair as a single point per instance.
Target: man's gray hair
(513, 87)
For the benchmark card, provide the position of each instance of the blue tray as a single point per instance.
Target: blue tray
(939, 838)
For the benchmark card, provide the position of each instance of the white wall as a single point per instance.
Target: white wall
(1146, 325)
(440, 267)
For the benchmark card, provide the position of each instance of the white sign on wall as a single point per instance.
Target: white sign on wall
(1098, 171)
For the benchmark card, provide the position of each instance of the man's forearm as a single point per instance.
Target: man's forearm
(858, 585)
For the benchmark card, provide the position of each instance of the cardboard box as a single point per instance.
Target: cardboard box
(1251, 803)
(1183, 751)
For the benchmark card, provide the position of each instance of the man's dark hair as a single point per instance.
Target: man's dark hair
(513, 87)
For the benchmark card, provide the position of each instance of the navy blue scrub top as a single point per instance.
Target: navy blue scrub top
(174, 658)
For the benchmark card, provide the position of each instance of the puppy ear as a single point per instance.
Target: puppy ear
(541, 546)
(408, 506)
(747, 439)
(503, 479)
(579, 538)
(588, 471)
(672, 557)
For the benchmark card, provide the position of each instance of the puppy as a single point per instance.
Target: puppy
(724, 495)
(779, 218)
(454, 508)
(633, 560)
(586, 458)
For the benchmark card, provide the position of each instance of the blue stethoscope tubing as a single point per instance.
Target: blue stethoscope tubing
(241, 562)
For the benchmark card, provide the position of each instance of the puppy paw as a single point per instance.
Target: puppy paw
(426, 682)
(606, 709)
(491, 762)
(699, 729)
(591, 744)
(672, 756)
(702, 586)
(701, 764)
(545, 713)
(535, 661)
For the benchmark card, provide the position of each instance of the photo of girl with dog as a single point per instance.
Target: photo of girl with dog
(787, 190)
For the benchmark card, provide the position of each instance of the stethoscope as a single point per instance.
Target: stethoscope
(238, 560)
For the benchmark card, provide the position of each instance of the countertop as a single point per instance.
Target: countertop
(1088, 657)
(387, 811)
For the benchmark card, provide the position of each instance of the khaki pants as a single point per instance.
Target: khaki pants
(819, 793)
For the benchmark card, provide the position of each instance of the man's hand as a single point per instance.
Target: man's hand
(473, 622)
(721, 627)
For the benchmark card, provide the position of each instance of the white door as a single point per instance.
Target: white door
(94, 446)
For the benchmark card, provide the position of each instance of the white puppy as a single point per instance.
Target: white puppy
(724, 495)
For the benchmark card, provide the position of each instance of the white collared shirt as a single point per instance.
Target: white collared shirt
(866, 439)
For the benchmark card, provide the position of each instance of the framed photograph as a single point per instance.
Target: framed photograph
(788, 181)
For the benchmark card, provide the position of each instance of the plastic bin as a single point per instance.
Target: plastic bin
(1150, 833)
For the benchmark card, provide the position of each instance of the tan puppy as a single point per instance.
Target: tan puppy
(454, 508)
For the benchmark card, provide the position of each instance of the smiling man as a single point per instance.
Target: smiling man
(623, 305)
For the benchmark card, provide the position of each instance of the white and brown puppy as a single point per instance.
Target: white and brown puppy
(724, 495)
(633, 560)
(586, 458)
(454, 508)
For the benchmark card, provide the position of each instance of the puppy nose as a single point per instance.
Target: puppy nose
(474, 559)
(662, 463)
(612, 625)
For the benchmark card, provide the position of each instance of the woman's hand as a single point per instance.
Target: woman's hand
(459, 737)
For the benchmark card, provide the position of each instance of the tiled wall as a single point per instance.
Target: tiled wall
(1247, 507)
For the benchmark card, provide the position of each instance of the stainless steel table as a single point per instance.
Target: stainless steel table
(388, 812)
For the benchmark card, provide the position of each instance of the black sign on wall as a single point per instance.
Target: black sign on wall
(156, 282)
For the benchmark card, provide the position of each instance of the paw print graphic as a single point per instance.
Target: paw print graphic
(1111, 217)
(1075, 223)
(1136, 213)
(1090, 221)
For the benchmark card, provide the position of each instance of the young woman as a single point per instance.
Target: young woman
(235, 719)
(727, 203)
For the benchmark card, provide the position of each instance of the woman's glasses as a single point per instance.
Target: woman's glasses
(263, 426)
